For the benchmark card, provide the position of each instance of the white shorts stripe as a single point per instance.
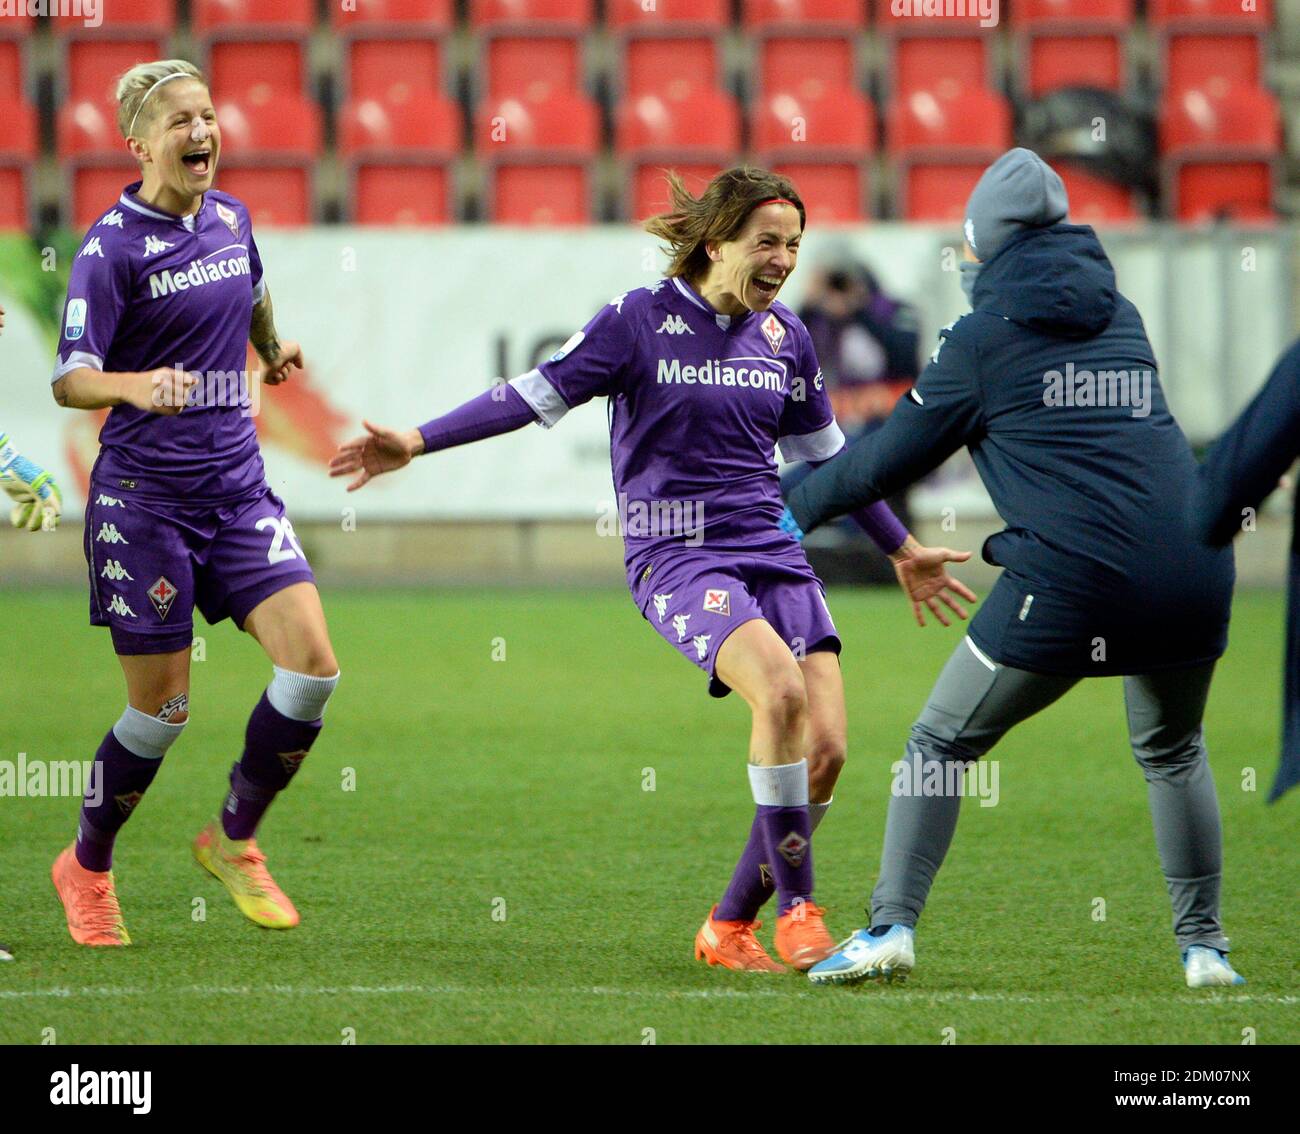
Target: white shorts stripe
(974, 649)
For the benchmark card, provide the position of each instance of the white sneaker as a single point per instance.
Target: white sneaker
(1208, 968)
(889, 957)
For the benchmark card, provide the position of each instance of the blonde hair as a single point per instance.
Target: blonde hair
(136, 86)
(719, 213)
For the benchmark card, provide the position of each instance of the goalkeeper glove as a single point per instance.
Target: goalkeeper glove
(790, 525)
(38, 500)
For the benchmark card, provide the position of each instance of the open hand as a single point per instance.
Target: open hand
(925, 580)
(378, 451)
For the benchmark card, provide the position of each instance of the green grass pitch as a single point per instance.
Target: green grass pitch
(501, 875)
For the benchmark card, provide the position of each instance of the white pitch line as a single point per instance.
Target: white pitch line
(892, 994)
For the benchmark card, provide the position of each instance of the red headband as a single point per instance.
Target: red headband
(776, 201)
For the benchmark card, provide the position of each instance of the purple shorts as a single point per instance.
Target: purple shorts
(151, 563)
(696, 599)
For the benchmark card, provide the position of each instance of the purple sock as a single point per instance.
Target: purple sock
(751, 881)
(787, 833)
(118, 780)
(274, 748)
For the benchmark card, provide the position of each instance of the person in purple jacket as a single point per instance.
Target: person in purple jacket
(164, 295)
(706, 373)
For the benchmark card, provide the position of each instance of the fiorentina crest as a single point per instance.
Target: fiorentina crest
(773, 331)
(717, 601)
(228, 215)
(126, 803)
(162, 594)
(793, 848)
(289, 761)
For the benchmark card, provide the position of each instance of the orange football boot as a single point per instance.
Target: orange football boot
(90, 902)
(732, 945)
(802, 938)
(242, 868)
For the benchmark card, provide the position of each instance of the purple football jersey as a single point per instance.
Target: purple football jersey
(698, 403)
(150, 289)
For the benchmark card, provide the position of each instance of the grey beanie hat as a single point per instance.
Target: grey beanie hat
(1017, 191)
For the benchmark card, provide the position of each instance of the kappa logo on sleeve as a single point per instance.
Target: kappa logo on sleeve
(231, 221)
(773, 331)
(74, 322)
(717, 601)
(112, 220)
(93, 248)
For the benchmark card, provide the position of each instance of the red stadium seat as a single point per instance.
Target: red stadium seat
(923, 50)
(647, 194)
(393, 45)
(1220, 147)
(269, 142)
(806, 65)
(376, 66)
(253, 46)
(93, 157)
(237, 68)
(837, 123)
(1192, 59)
(832, 192)
(531, 48)
(125, 18)
(532, 67)
(11, 69)
(785, 16)
(672, 46)
(92, 66)
(87, 128)
(18, 146)
(399, 152)
(1072, 43)
(805, 46)
(820, 143)
(95, 188)
(1094, 200)
(1201, 40)
(253, 18)
(538, 156)
(13, 198)
(942, 139)
(652, 64)
(577, 15)
(664, 17)
(391, 18)
(693, 127)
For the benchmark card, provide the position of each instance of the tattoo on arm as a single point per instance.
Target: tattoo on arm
(261, 329)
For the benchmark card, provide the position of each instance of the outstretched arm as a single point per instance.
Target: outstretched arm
(496, 411)
(939, 415)
(1245, 464)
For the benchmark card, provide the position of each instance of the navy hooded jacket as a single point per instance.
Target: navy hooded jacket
(1052, 385)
